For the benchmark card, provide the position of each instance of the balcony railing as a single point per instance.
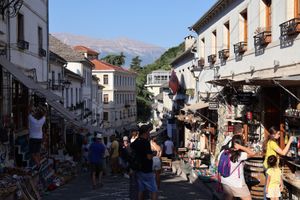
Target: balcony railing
(240, 47)
(263, 38)
(22, 44)
(224, 54)
(290, 27)
(212, 58)
(42, 52)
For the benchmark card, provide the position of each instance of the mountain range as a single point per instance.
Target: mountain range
(148, 53)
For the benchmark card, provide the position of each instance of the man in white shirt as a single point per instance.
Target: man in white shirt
(169, 148)
(36, 121)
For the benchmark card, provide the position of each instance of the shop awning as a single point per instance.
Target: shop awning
(29, 83)
(196, 106)
(50, 97)
(220, 82)
(272, 81)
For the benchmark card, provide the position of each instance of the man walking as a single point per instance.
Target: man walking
(96, 159)
(144, 175)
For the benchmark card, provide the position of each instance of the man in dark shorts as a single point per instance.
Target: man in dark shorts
(36, 120)
(96, 159)
(145, 176)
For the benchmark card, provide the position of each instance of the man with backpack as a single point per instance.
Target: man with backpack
(231, 169)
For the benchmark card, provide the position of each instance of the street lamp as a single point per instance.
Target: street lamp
(196, 71)
(10, 7)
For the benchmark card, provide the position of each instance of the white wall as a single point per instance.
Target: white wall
(35, 14)
(263, 64)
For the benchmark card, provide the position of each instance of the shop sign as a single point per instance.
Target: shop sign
(213, 105)
(245, 97)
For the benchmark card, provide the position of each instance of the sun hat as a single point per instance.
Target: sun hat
(99, 136)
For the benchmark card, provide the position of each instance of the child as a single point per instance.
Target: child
(274, 181)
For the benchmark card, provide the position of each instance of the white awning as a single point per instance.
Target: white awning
(196, 106)
(29, 83)
(50, 97)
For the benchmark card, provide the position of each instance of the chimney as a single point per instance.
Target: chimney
(189, 41)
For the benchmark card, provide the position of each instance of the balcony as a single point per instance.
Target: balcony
(56, 84)
(291, 27)
(212, 58)
(3, 49)
(224, 54)
(201, 62)
(22, 44)
(240, 48)
(42, 52)
(263, 38)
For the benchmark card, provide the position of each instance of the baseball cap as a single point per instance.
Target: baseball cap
(99, 136)
(125, 138)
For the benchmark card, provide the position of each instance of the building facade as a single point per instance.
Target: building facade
(119, 97)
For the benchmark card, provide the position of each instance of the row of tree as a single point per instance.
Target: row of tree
(144, 98)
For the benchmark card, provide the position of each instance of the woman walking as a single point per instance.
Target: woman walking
(157, 152)
(234, 185)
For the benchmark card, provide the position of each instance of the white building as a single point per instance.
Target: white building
(119, 97)
(156, 79)
(80, 65)
(97, 103)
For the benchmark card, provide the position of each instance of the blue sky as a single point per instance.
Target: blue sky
(160, 22)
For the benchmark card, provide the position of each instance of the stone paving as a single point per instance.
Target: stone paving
(117, 188)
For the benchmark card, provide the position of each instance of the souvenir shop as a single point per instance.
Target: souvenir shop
(17, 179)
(200, 130)
(256, 106)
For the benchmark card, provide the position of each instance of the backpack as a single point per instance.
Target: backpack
(134, 160)
(225, 164)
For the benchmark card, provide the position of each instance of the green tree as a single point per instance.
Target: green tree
(117, 60)
(135, 64)
(144, 97)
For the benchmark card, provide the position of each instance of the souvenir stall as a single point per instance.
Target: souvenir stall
(199, 145)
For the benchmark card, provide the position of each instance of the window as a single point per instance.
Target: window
(67, 97)
(227, 34)
(202, 48)
(59, 82)
(244, 17)
(297, 8)
(268, 14)
(105, 98)
(20, 27)
(214, 42)
(72, 97)
(53, 78)
(105, 79)
(105, 116)
(76, 93)
(40, 38)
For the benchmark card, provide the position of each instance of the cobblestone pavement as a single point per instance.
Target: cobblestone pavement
(117, 188)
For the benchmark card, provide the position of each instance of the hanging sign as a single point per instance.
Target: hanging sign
(245, 97)
(213, 105)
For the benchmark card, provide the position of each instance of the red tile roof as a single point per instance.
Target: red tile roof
(85, 50)
(100, 65)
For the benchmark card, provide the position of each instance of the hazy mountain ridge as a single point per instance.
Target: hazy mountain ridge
(131, 48)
